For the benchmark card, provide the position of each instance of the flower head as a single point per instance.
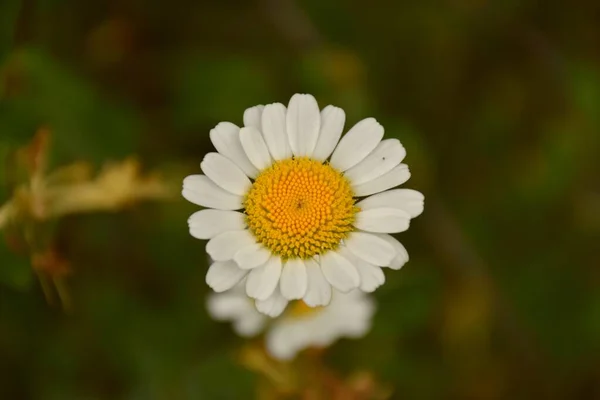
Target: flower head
(348, 315)
(299, 209)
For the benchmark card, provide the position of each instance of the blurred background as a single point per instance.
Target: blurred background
(106, 105)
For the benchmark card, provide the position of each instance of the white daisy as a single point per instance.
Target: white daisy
(300, 327)
(298, 210)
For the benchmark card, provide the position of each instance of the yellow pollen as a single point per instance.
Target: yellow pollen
(299, 208)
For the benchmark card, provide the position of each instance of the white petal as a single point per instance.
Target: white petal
(206, 224)
(225, 306)
(371, 276)
(293, 279)
(386, 156)
(332, 125)
(253, 116)
(273, 306)
(274, 131)
(382, 220)
(262, 281)
(224, 246)
(281, 341)
(318, 291)
(223, 276)
(255, 147)
(371, 248)
(303, 122)
(357, 144)
(339, 272)
(407, 200)
(226, 139)
(200, 190)
(397, 176)
(225, 173)
(252, 256)
(249, 325)
(401, 253)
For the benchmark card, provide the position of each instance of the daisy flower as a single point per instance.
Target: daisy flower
(299, 327)
(297, 208)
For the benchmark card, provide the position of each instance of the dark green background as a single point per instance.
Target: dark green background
(496, 102)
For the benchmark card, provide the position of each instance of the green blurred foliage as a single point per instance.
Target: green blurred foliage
(209, 89)
(54, 96)
(9, 11)
(496, 103)
(16, 270)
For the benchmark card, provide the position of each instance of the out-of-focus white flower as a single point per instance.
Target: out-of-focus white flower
(316, 207)
(348, 315)
(300, 327)
(233, 305)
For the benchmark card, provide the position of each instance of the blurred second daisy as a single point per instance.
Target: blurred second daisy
(297, 208)
(349, 315)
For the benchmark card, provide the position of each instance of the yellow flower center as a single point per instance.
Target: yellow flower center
(299, 309)
(299, 208)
